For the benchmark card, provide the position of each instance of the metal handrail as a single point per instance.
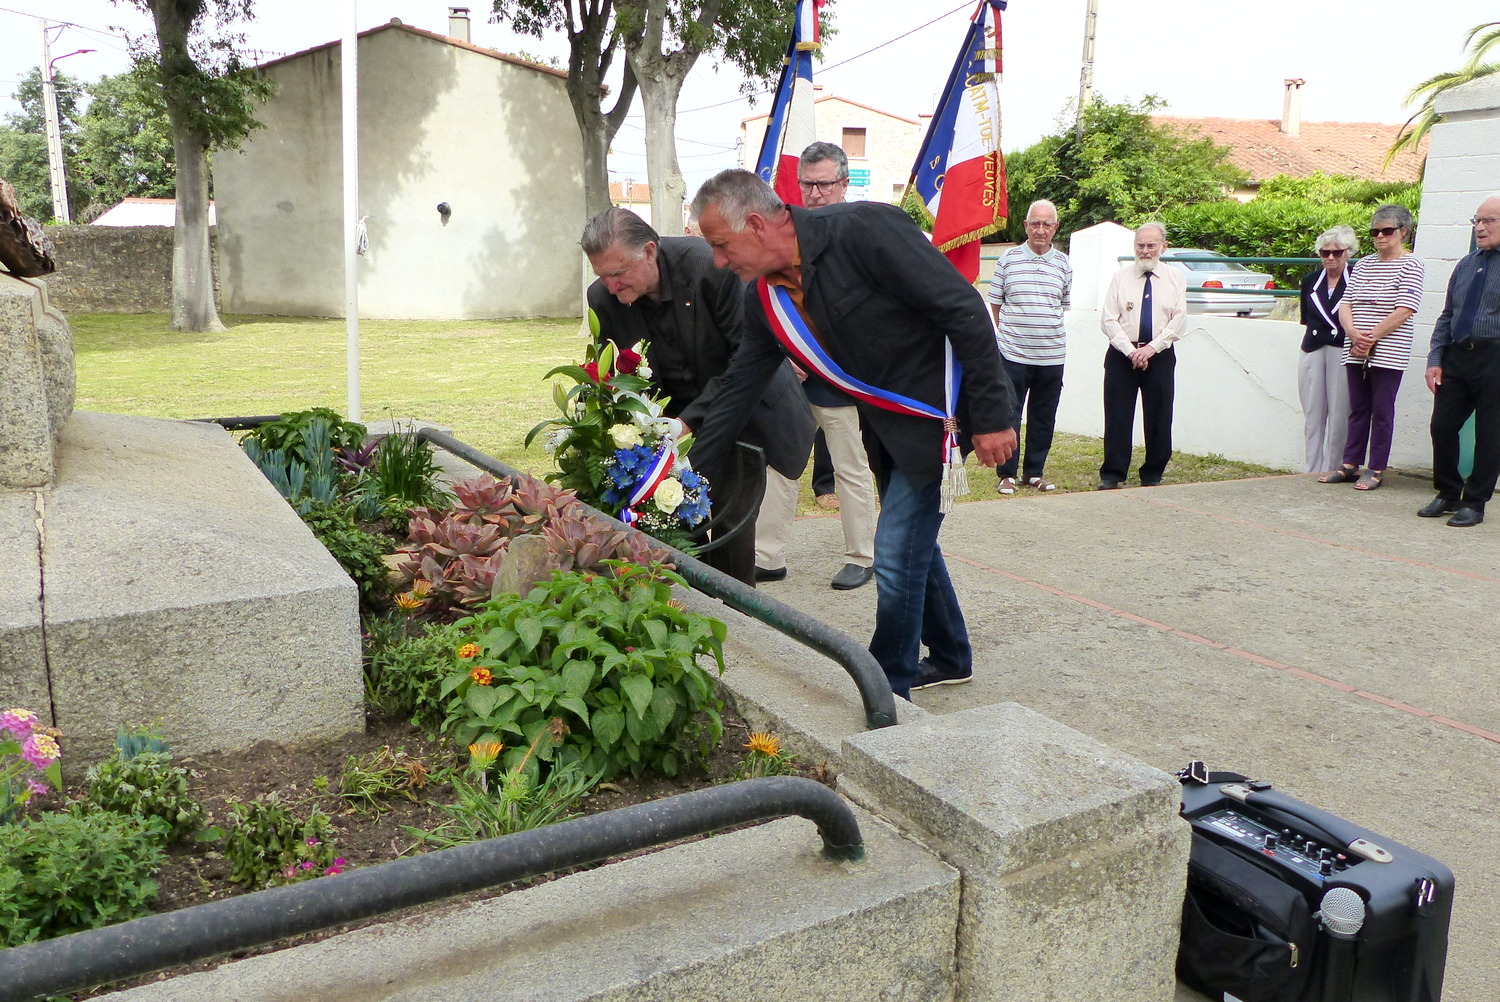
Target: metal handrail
(144, 945)
(874, 688)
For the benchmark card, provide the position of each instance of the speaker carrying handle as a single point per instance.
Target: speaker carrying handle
(1342, 831)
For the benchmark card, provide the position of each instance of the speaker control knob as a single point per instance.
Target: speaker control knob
(1271, 839)
(1326, 867)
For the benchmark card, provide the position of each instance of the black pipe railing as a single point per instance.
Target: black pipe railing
(869, 678)
(144, 945)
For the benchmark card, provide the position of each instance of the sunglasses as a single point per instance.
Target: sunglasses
(1340, 252)
(1384, 231)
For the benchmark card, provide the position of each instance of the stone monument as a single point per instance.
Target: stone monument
(148, 571)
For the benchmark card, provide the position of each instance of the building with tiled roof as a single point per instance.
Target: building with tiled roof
(1265, 148)
(470, 184)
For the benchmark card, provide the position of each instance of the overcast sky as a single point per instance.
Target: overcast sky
(1206, 58)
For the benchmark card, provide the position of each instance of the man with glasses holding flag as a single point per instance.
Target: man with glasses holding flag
(856, 294)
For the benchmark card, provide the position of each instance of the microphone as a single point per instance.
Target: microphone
(1342, 914)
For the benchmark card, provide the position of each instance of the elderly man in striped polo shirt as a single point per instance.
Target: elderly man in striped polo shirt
(1028, 294)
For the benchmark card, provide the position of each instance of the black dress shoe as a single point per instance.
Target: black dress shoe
(1466, 517)
(1438, 507)
(761, 574)
(1110, 485)
(1150, 483)
(852, 576)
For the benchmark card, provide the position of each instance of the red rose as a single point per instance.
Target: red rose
(629, 361)
(592, 368)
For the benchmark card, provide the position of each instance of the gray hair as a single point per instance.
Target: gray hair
(1149, 224)
(820, 151)
(736, 194)
(1338, 237)
(1042, 203)
(617, 227)
(1394, 215)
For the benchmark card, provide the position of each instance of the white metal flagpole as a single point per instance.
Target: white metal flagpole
(349, 57)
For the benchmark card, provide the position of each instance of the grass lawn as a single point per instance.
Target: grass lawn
(482, 378)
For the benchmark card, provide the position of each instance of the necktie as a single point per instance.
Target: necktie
(1463, 328)
(1145, 335)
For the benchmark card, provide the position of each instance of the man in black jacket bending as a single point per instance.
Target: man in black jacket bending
(881, 303)
(668, 293)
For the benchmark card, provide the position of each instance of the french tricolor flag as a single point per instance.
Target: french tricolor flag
(959, 174)
(790, 129)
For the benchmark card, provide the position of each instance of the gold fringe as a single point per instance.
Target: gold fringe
(809, 47)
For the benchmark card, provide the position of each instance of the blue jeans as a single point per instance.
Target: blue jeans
(914, 599)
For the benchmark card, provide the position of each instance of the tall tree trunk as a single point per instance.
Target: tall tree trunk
(661, 75)
(193, 306)
(588, 62)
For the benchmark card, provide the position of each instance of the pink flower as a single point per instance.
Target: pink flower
(37, 786)
(18, 722)
(306, 864)
(336, 869)
(40, 750)
(289, 872)
(313, 841)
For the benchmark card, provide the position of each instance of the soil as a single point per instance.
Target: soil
(193, 874)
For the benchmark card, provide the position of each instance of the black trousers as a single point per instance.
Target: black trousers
(1471, 385)
(823, 481)
(1038, 388)
(736, 501)
(1155, 384)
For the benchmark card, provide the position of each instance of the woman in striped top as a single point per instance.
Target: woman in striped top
(1382, 297)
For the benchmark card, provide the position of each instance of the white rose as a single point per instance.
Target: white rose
(668, 496)
(643, 370)
(625, 436)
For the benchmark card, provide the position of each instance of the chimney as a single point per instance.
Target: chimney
(1291, 108)
(458, 23)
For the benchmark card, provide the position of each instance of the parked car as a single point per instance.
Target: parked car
(1203, 270)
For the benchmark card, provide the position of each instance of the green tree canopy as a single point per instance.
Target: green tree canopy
(125, 141)
(1125, 167)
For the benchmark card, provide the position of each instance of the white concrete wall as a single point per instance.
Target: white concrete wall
(890, 144)
(437, 123)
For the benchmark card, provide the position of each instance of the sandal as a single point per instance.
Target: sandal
(1040, 483)
(1007, 485)
(1369, 480)
(1342, 475)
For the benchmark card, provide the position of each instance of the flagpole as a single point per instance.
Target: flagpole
(349, 58)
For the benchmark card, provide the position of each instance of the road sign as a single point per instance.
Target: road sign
(860, 177)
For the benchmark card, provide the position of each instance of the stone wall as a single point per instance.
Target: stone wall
(113, 269)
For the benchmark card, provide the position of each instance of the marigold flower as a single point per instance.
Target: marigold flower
(40, 750)
(421, 587)
(408, 602)
(18, 722)
(481, 676)
(469, 650)
(766, 744)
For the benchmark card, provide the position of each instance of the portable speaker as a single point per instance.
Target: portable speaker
(1288, 903)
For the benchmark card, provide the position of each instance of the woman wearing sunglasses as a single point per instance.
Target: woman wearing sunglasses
(1321, 383)
(1382, 296)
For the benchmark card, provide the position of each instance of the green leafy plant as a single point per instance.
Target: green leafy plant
(404, 474)
(764, 757)
(288, 433)
(369, 780)
(146, 785)
(29, 760)
(75, 870)
(615, 657)
(518, 802)
(130, 742)
(406, 675)
(358, 552)
(267, 844)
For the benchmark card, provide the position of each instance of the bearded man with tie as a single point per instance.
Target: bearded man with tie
(1144, 313)
(1463, 373)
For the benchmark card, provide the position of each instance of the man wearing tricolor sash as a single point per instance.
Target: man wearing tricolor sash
(856, 294)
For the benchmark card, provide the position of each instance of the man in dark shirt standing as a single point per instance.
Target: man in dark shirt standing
(668, 293)
(1463, 373)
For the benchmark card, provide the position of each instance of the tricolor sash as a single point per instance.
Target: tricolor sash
(658, 471)
(790, 328)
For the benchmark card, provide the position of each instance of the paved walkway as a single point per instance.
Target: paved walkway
(1324, 639)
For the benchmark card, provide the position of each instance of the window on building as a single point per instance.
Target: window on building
(897, 190)
(854, 142)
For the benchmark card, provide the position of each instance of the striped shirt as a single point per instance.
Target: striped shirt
(1032, 292)
(1375, 289)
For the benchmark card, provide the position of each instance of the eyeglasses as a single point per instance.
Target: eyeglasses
(823, 186)
(1384, 231)
(1042, 224)
(1333, 252)
(1486, 220)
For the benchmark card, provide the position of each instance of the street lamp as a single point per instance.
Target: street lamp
(55, 170)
